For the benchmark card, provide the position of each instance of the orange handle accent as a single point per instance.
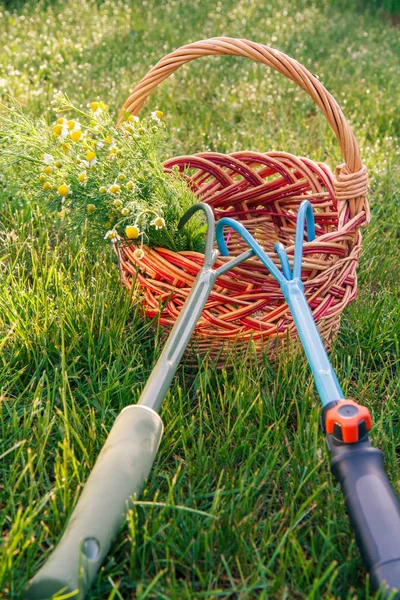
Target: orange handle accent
(348, 415)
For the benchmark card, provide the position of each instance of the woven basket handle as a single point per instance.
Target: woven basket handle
(352, 182)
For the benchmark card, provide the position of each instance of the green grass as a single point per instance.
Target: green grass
(386, 7)
(243, 444)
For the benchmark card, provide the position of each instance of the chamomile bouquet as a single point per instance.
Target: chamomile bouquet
(100, 181)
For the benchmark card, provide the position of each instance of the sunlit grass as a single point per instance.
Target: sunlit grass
(243, 444)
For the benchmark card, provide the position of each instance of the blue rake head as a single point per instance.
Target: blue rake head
(292, 288)
(305, 214)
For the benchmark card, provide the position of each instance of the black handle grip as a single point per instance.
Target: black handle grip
(373, 507)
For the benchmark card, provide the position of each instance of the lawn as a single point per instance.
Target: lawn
(240, 502)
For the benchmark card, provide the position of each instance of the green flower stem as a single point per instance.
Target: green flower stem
(28, 158)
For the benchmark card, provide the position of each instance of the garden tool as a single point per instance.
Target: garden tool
(371, 502)
(127, 456)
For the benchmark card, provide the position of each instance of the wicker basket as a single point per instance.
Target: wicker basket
(263, 190)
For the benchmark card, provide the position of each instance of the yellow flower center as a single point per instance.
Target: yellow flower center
(61, 214)
(159, 114)
(76, 136)
(58, 164)
(63, 190)
(115, 188)
(138, 254)
(91, 208)
(42, 178)
(102, 190)
(90, 156)
(94, 106)
(71, 124)
(61, 121)
(82, 177)
(159, 222)
(117, 203)
(57, 129)
(132, 232)
(47, 170)
(46, 186)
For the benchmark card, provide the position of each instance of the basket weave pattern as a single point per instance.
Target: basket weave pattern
(263, 190)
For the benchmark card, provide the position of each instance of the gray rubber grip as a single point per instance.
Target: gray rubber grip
(119, 474)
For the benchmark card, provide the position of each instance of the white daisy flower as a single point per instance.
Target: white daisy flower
(114, 189)
(82, 178)
(158, 222)
(111, 235)
(60, 129)
(73, 125)
(157, 115)
(132, 187)
(64, 190)
(91, 158)
(130, 124)
(98, 108)
(138, 254)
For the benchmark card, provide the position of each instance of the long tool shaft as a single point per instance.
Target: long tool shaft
(372, 504)
(326, 381)
(127, 456)
(163, 373)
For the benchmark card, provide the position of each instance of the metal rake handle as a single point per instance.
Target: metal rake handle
(128, 454)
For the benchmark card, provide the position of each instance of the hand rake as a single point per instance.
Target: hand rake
(371, 502)
(127, 456)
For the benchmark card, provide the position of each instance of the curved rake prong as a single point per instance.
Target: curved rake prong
(209, 255)
(283, 257)
(305, 214)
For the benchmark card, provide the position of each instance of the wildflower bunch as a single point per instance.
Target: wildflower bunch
(102, 182)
